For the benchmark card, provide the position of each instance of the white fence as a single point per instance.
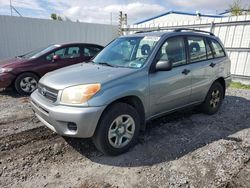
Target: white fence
(234, 32)
(19, 35)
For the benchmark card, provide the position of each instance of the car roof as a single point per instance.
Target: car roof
(77, 43)
(151, 33)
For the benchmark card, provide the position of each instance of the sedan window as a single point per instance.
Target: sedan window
(90, 51)
(65, 53)
(73, 52)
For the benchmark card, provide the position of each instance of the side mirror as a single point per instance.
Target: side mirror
(55, 58)
(163, 66)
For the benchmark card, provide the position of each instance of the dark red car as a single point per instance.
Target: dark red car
(23, 72)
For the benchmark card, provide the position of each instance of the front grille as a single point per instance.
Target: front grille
(48, 93)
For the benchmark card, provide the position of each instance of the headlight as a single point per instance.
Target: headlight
(79, 94)
(2, 70)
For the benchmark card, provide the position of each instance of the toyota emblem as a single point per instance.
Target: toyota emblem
(43, 91)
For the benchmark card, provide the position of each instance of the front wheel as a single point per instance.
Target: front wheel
(118, 129)
(26, 83)
(213, 99)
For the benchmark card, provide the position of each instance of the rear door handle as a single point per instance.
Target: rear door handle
(212, 65)
(185, 71)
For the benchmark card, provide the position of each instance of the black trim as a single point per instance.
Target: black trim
(208, 43)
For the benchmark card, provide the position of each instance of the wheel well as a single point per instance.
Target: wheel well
(222, 82)
(134, 102)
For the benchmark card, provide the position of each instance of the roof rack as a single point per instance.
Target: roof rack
(150, 30)
(195, 30)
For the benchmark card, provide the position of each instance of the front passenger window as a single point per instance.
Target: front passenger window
(173, 50)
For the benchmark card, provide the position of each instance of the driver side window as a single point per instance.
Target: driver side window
(173, 50)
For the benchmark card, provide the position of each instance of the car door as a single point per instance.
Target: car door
(201, 66)
(170, 90)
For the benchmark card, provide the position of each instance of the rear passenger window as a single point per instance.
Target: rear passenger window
(217, 49)
(90, 51)
(73, 52)
(197, 49)
(173, 50)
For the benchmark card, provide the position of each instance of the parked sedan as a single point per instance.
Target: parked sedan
(23, 72)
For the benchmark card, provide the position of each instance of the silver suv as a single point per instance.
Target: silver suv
(134, 79)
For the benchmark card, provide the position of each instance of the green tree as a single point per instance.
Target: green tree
(53, 16)
(236, 8)
(56, 17)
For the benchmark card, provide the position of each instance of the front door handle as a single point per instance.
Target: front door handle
(212, 65)
(185, 71)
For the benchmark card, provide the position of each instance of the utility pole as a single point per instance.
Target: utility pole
(111, 16)
(125, 19)
(120, 23)
(13, 8)
(10, 8)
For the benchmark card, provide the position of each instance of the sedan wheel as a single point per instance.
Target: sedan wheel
(26, 83)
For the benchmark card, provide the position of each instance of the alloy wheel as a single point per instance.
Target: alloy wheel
(121, 131)
(28, 84)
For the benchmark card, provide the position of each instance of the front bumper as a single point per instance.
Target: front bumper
(6, 79)
(58, 117)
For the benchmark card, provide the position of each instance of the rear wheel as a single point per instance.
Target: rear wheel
(118, 129)
(213, 99)
(26, 83)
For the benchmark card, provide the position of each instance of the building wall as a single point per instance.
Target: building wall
(20, 35)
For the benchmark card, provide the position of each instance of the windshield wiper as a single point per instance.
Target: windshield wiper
(106, 64)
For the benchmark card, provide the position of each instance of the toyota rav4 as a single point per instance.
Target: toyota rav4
(134, 79)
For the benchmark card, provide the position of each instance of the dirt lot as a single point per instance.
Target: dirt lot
(185, 149)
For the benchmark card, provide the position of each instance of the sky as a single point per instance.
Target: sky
(97, 11)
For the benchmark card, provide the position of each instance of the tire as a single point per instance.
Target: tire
(111, 136)
(213, 99)
(26, 83)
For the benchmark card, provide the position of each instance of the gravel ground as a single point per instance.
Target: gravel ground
(184, 149)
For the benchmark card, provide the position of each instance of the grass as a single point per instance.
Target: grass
(238, 85)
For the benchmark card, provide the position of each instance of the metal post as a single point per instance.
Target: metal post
(212, 27)
(111, 16)
(10, 8)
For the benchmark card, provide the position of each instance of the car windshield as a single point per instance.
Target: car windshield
(38, 52)
(129, 52)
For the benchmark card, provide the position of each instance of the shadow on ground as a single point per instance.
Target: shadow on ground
(10, 92)
(175, 135)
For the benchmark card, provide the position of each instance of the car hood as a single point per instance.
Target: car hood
(83, 74)
(12, 61)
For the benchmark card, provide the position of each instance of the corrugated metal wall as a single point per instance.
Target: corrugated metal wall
(19, 35)
(234, 32)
